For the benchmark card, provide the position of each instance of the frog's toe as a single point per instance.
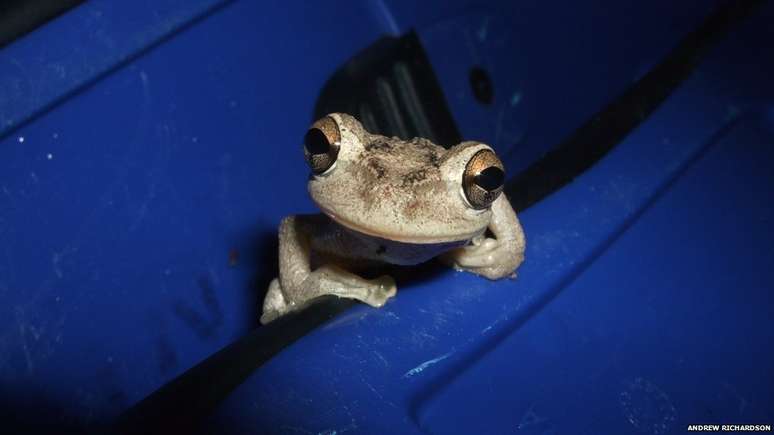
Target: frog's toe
(383, 289)
(274, 304)
(495, 272)
(488, 258)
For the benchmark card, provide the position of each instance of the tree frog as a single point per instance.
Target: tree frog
(386, 200)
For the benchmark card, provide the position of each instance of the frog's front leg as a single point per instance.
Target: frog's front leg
(298, 284)
(497, 257)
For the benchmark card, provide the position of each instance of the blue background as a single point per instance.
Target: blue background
(149, 149)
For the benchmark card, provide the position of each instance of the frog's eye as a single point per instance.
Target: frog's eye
(483, 179)
(321, 145)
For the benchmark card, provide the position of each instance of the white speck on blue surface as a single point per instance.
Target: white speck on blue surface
(21, 139)
(482, 32)
(420, 368)
(515, 99)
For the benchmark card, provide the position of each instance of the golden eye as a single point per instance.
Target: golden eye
(483, 179)
(321, 144)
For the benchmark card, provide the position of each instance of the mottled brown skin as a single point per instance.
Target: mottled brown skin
(415, 166)
(386, 200)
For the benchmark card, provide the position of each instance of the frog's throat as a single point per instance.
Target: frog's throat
(399, 237)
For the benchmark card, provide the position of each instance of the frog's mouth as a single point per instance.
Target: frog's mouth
(403, 238)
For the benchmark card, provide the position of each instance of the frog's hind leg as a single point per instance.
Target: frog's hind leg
(298, 284)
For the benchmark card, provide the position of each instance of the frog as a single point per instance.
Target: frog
(385, 200)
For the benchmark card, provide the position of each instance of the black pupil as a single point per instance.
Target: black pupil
(490, 178)
(316, 142)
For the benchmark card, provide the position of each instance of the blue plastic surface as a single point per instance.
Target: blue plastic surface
(149, 150)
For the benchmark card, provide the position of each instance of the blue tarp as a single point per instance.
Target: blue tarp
(148, 151)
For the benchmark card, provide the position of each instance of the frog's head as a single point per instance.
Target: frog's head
(408, 191)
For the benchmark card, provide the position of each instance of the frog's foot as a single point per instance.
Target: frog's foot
(333, 280)
(274, 304)
(487, 257)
